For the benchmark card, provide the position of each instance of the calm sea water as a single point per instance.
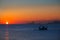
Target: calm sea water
(29, 32)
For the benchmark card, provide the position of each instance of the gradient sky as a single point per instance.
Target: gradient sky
(22, 11)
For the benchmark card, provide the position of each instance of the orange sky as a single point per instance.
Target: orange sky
(15, 15)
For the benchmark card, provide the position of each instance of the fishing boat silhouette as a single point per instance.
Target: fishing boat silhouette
(42, 28)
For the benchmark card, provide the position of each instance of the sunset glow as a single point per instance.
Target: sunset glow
(7, 23)
(17, 12)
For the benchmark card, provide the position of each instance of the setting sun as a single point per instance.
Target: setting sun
(6, 22)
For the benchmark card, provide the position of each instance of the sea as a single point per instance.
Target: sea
(29, 32)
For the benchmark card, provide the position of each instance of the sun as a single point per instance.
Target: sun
(7, 23)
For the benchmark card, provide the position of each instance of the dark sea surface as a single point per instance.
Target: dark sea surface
(29, 32)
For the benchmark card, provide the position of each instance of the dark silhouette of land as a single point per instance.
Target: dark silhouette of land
(54, 22)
